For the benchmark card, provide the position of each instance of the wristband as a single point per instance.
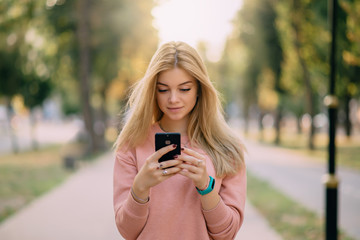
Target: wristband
(209, 188)
(137, 199)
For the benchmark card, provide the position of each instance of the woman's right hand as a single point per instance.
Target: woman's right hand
(152, 172)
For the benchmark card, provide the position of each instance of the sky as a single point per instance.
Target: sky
(193, 21)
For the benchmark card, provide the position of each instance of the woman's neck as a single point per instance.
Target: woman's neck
(174, 126)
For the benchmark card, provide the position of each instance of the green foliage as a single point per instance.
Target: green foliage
(23, 68)
(40, 51)
(229, 71)
(305, 38)
(10, 73)
(117, 44)
(35, 91)
(283, 57)
(260, 41)
(347, 55)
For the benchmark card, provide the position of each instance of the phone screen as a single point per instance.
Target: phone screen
(165, 139)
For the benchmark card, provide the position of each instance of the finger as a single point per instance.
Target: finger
(169, 163)
(188, 174)
(191, 160)
(170, 171)
(190, 168)
(193, 153)
(158, 154)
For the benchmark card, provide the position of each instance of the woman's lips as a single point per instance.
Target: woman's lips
(175, 109)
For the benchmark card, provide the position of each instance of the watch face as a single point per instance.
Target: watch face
(213, 184)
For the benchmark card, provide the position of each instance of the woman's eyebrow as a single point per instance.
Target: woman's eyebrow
(185, 83)
(159, 83)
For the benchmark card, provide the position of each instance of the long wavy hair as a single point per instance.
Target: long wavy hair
(207, 127)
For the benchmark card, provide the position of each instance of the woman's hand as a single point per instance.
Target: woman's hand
(194, 167)
(152, 172)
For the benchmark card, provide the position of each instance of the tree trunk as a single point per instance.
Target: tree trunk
(278, 117)
(34, 142)
(261, 125)
(298, 125)
(13, 138)
(309, 100)
(348, 125)
(83, 35)
(306, 75)
(103, 115)
(246, 118)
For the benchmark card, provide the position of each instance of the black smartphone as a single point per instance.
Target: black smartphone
(165, 139)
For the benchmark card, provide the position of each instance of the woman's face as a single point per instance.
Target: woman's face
(176, 93)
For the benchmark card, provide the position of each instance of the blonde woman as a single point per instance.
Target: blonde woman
(200, 194)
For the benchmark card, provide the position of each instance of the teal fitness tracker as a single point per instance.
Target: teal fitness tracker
(209, 188)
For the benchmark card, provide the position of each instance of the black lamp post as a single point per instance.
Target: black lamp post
(331, 101)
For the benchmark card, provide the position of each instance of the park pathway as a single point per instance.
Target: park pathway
(299, 177)
(81, 208)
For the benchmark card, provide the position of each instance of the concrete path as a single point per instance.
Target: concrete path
(299, 177)
(255, 226)
(81, 208)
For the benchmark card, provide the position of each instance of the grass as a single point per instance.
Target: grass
(290, 219)
(347, 152)
(27, 175)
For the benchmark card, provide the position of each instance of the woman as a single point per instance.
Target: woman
(200, 194)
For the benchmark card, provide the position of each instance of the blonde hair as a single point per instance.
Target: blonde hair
(207, 127)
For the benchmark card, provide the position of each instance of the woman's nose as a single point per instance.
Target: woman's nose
(173, 96)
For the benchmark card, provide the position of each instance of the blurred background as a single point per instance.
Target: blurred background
(66, 68)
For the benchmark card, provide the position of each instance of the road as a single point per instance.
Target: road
(299, 177)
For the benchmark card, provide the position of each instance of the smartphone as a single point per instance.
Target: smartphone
(165, 139)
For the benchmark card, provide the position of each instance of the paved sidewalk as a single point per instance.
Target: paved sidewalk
(81, 208)
(299, 177)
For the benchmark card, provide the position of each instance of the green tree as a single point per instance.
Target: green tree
(261, 75)
(273, 57)
(305, 37)
(230, 69)
(348, 57)
(11, 79)
(102, 44)
(23, 55)
(246, 27)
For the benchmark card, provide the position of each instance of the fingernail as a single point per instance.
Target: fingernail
(174, 145)
(182, 149)
(176, 156)
(160, 165)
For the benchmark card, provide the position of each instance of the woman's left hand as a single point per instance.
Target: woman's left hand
(194, 167)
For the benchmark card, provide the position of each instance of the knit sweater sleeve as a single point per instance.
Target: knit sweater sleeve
(225, 220)
(130, 216)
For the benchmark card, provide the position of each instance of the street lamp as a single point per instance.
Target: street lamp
(331, 101)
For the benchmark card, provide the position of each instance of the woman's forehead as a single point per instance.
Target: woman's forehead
(177, 76)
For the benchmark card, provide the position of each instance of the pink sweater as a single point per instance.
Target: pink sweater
(174, 210)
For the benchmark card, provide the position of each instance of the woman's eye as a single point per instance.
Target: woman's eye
(162, 90)
(185, 89)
